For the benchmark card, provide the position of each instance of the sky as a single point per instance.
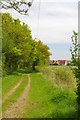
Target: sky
(52, 23)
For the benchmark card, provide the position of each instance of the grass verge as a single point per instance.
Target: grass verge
(48, 101)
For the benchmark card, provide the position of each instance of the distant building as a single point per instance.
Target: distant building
(59, 62)
(62, 62)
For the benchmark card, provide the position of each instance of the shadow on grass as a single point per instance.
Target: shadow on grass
(24, 71)
(58, 114)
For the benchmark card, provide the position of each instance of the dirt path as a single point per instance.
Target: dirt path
(17, 109)
(12, 90)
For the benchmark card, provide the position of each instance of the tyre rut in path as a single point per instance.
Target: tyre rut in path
(12, 90)
(17, 109)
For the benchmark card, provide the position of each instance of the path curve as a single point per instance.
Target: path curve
(12, 90)
(16, 110)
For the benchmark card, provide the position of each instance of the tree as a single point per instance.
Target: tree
(43, 53)
(74, 48)
(19, 49)
(17, 5)
(15, 42)
(75, 52)
(39, 54)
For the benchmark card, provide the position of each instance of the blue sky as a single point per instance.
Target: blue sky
(57, 20)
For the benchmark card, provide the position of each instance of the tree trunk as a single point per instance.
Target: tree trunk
(33, 66)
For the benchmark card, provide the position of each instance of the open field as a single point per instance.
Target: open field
(49, 93)
(61, 76)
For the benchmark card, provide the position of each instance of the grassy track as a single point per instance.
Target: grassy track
(51, 94)
(15, 95)
(47, 101)
(8, 82)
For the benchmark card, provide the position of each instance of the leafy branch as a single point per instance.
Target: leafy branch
(75, 48)
(16, 5)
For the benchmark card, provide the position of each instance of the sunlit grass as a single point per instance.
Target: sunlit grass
(47, 101)
(8, 82)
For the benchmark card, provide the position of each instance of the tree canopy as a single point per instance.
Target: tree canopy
(19, 49)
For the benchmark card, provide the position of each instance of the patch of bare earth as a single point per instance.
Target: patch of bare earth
(16, 109)
(12, 90)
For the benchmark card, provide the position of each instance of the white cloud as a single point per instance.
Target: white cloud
(57, 1)
(56, 22)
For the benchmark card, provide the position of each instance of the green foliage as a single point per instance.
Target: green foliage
(75, 52)
(74, 49)
(19, 49)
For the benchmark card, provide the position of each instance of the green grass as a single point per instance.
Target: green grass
(16, 94)
(52, 93)
(8, 82)
(48, 101)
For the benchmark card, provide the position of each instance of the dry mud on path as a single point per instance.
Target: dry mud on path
(12, 90)
(17, 109)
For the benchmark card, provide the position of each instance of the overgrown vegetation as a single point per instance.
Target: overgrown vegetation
(61, 76)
